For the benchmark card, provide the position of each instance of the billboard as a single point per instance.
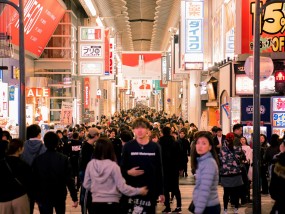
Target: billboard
(271, 28)
(141, 65)
(41, 18)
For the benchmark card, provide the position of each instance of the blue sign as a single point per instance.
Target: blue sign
(247, 109)
(11, 93)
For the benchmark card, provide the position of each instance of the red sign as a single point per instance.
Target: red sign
(41, 18)
(279, 76)
(38, 92)
(86, 92)
(107, 52)
(111, 55)
(272, 27)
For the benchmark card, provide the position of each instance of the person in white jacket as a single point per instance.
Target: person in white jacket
(104, 180)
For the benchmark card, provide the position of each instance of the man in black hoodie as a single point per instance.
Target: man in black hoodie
(52, 174)
(33, 147)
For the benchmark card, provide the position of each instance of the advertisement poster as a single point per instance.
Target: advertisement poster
(66, 113)
(278, 115)
(247, 109)
(41, 18)
(271, 30)
(141, 65)
(142, 89)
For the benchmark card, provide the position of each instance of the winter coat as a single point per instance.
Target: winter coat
(205, 193)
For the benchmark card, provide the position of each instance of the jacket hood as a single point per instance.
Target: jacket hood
(102, 169)
(33, 146)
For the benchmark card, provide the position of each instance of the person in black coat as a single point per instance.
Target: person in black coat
(117, 144)
(15, 180)
(52, 173)
(172, 164)
(185, 149)
(219, 139)
(277, 183)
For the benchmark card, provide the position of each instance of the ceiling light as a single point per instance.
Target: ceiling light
(91, 7)
(99, 22)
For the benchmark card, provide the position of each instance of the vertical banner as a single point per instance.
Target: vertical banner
(107, 52)
(194, 15)
(86, 92)
(66, 113)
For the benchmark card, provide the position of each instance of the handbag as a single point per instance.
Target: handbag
(191, 207)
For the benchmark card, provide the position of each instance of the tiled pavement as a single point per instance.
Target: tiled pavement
(186, 188)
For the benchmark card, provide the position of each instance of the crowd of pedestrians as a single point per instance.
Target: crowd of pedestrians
(128, 163)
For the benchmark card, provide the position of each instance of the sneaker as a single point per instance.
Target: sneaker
(225, 211)
(235, 210)
(177, 210)
(167, 210)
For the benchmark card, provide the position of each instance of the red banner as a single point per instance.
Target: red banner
(107, 52)
(86, 92)
(272, 27)
(41, 18)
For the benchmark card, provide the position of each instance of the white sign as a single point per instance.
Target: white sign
(91, 51)
(244, 85)
(91, 34)
(266, 67)
(91, 68)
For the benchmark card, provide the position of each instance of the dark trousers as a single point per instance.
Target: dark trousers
(46, 206)
(105, 208)
(32, 204)
(233, 193)
(264, 182)
(213, 210)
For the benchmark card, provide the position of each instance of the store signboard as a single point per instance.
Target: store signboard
(86, 92)
(141, 65)
(91, 68)
(41, 18)
(94, 34)
(278, 115)
(272, 29)
(247, 109)
(163, 71)
(94, 51)
(193, 25)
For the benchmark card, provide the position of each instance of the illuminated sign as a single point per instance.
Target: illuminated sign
(86, 92)
(278, 119)
(164, 71)
(38, 92)
(244, 85)
(41, 18)
(272, 37)
(107, 52)
(194, 26)
(88, 34)
(278, 115)
(278, 104)
(91, 51)
(91, 68)
(279, 76)
(141, 65)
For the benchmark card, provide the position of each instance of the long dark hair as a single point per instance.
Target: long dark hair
(194, 155)
(104, 150)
